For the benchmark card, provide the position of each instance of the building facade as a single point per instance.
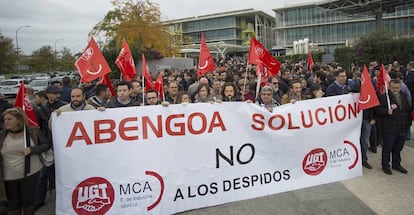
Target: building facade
(225, 33)
(329, 29)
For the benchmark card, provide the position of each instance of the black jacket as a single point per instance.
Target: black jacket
(400, 121)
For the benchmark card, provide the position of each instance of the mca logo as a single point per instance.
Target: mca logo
(315, 161)
(93, 196)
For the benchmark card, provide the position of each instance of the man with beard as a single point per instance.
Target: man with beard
(294, 94)
(136, 91)
(273, 81)
(77, 102)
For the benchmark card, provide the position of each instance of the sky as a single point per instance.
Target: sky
(63, 23)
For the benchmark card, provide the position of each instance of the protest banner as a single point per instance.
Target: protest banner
(164, 160)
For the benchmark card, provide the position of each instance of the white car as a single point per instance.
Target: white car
(10, 87)
(39, 84)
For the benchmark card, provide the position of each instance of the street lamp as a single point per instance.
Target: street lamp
(17, 45)
(56, 53)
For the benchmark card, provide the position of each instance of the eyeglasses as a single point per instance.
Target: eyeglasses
(275, 82)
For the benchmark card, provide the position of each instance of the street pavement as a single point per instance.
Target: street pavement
(372, 193)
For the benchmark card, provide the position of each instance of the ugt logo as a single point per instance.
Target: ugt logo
(315, 161)
(93, 196)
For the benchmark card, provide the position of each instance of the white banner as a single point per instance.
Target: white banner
(163, 160)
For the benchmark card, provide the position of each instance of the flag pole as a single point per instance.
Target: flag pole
(24, 136)
(388, 96)
(143, 89)
(258, 82)
(23, 92)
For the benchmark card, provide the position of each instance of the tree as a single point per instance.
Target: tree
(345, 56)
(379, 46)
(8, 55)
(42, 60)
(384, 48)
(139, 23)
(66, 60)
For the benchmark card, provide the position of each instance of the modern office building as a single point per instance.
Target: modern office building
(225, 33)
(330, 26)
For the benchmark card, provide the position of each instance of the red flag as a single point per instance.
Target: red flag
(125, 62)
(159, 87)
(205, 61)
(383, 80)
(146, 74)
(310, 62)
(259, 55)
(92, 64)
(260, 69)
(367, 97)
(105, 80)
(23, 101)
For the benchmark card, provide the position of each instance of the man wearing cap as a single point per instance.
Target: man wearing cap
(53, 94)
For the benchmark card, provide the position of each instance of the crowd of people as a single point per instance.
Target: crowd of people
(25, 179)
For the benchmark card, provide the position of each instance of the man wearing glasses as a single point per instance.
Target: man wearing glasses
(151, 98)
(339, 86)
(273, 82)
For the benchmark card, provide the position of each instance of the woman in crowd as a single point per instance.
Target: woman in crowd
(183, 98)
(316, 91)
(203, 95)
(20, 146)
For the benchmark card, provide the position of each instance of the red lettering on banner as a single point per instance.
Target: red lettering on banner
(203, 123)
(330, 114)
(84, 135)
(304, 118)
(258, 118)
(219, 123)
(317, 116)
(290, 124)
(304, 121)
(156, 130)
(123, 128)
(180, 126)
(108, 130)
(99, 131)
(353, 111)
(281, 125)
